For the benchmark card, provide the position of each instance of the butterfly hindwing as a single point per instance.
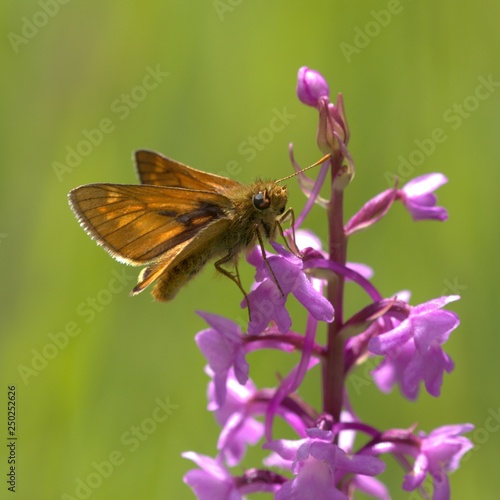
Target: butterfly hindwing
(158, 170)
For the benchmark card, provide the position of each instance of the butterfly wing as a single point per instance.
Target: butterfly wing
(157, 170)
(179, 264)
(141, 224)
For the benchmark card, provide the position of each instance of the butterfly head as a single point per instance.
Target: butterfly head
(272, 199)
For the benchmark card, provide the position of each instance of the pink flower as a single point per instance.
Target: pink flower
(223, 347)
(440, 453)
(319, 465)
(267, 300)
(419, 198)
(212, 480)
(426, 324)
(235, 417)
(413, 349)
(409, 367)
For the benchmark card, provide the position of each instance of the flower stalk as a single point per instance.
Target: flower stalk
(333, 369)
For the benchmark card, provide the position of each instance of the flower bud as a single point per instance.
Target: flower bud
(311, 86)
(332, 128)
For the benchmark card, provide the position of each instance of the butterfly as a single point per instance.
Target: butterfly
(178, 219)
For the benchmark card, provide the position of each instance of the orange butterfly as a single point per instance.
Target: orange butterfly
(178, 219)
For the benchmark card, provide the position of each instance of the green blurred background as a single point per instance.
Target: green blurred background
(223, 70)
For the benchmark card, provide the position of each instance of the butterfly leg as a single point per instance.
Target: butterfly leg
(233, 277)
(290, 243)
(263, 250)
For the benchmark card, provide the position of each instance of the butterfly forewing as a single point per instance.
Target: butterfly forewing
(158, 170)
(139, 224)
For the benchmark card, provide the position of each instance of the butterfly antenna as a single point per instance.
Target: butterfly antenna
(319, 162)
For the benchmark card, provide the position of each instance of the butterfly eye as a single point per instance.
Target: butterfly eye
(261, 200)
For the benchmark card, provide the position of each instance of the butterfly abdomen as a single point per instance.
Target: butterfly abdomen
(169, 283)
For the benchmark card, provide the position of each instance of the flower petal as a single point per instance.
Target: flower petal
(433, 327)
(423, 184)
(391, 340)
(318, 305)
